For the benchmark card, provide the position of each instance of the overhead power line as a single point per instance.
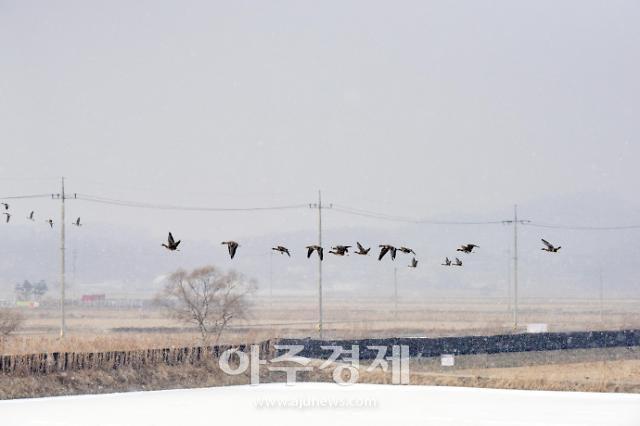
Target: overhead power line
(582, 228)
(393, 218)
(335, 207)
(24, 179)
(18, 197)
(383, 216)
(156, 206)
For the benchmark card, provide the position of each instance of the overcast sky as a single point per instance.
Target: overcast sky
(415, 108)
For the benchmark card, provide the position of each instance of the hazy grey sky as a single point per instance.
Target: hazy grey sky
(423, 109)
(416, 108)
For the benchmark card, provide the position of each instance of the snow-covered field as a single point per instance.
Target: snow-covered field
(328, 405)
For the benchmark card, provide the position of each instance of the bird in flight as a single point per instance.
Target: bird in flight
(407, 250)
(232, 246)
(50, 222)
(171, 243)
(317, 248)
(361, 250)
(414, 263)
(282, 250)
(386, 248)
(77, 222)
(340, 250)
(30, 217)
(458, 262)
(6, 206)
(447, 262)
(550, 247)
(467, 248)
(8, 216)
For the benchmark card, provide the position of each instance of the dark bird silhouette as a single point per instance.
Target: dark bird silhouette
(467, 248)
(8, 215)
(171, 243)
(30, 217)
(312, 248)
(361, 250)
(282, 250)
(414, 263)
(386, 248)
(340, 250)
(6, 206)
(550, 247)
(232, 246)
(50, 222)
(407, 250)
(77, 222)
(447, 262)
(458, 262)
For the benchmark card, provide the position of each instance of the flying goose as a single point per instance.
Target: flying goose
(407, 250)
(340, 250)
(467, 248)
(6, 206)
(384, 248)
(447, 262)
(414, 263)
(361, 250)
(8, 216)
(77, 222)
(282, 250)
(232, 246)
(30, 217)
(171, 243)
(549, 247)
(317, 248)
(458, 262)
(50, 222)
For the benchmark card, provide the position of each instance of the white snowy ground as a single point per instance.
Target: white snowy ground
(333, 405)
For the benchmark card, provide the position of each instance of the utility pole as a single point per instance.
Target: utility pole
(515, 267)
(395, 291)
(73, 279)
(601, 297)
(62, 196)
(515, 221)
(320, 264)
(271, 280)
(508, 280)
(63, 326)
(319, 206)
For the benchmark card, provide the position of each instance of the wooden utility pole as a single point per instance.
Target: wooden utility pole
(515, 221)
(395, 291)
(515, 267)
(62, 196)
(63, 326)
(320, 206)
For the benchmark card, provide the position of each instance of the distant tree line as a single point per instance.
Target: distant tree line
(28, 291)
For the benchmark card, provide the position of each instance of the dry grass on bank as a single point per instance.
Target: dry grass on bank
(106, 328)
(615, 376)
(23, 344)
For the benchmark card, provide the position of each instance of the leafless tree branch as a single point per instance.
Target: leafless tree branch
(206, 298)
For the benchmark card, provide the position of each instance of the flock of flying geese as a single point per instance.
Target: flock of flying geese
(338, 250)
(32, 218)
(341, 250)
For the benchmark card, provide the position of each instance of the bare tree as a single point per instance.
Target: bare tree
(207, 298)
(10, 321)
